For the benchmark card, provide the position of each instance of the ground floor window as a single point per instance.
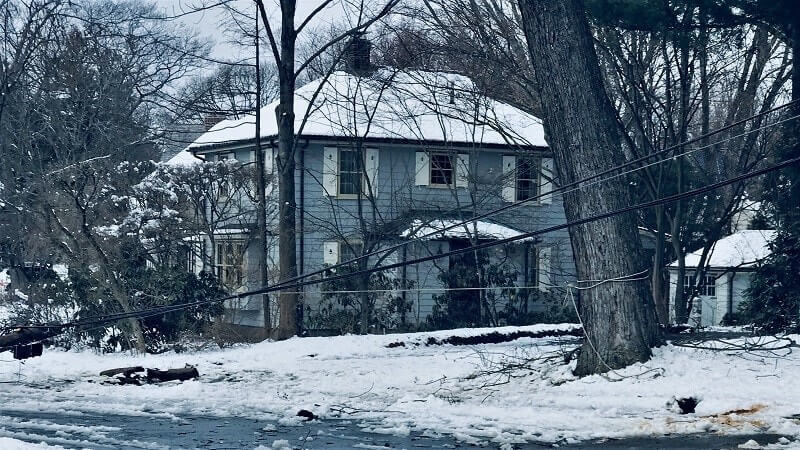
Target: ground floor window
(229, 263)
(707, 287)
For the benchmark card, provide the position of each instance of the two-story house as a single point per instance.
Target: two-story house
(393, 156)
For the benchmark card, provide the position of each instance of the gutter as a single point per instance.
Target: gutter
(200, 148)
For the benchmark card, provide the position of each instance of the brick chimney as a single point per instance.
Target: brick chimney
(212, 119)
(357, 56)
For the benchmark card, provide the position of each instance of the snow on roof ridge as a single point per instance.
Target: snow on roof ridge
(485, 230)
(393, 104)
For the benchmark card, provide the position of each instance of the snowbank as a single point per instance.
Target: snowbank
(7, 443)
(443, 389)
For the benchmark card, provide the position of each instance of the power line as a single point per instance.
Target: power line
(563, 189)
(300, 283)
(297, 281)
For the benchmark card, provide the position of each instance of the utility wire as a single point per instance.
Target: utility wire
(300, 283)
(297, 281)
(563, 189)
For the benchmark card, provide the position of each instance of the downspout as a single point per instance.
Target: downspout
(301, 206)
(730, 292)
(302, 238)
(404, 285)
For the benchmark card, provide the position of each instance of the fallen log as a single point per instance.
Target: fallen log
(158, 376)
(124, 371)
(22, 336)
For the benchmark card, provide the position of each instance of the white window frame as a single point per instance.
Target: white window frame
(453, 158)
(225, 185)
(543, 180)
(222, 262)
(360, 161)
(536, 179)
(708, 284)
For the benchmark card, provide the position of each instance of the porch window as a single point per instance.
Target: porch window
(707, 287)
(442, 169)
(229, 263)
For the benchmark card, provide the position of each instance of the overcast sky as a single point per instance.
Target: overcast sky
(209, 21)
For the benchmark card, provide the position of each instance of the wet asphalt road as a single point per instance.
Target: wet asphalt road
(153, 431)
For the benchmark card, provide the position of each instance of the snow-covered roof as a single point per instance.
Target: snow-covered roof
(436, 230)
(392, 104)
(183, 158)
(741, 249)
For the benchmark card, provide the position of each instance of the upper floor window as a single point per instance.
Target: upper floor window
(527, 178)
(348, 172)
(351, 172)
(441, 169)
(224, 185)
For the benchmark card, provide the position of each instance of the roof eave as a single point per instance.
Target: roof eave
(204, 148)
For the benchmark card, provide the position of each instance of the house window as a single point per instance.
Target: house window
(527, 178)
(350, 172)
(442, 169)
(224, 185)
(229, 263)
(350, 250)
(707, 287)
(533, 267)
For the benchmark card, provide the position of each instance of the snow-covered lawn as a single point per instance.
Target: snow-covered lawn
(439, 388)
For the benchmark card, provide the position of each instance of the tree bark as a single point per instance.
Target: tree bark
(618, 317)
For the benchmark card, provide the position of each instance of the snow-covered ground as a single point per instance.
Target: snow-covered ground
(438, 388)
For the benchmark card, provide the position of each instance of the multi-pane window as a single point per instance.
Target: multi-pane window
(442, 169)
(224, 185)
(350, 250)
(351, 172)
(527, 178)
(229, 263)
(707, 287)
(533, 267)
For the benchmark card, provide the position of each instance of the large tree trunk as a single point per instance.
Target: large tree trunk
(618, 317)
(287, 251)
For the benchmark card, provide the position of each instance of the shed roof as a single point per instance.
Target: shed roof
(742, 249)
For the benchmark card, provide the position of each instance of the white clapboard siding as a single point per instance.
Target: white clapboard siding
(330, 170)
(272, 180)
(423, 169)
(462, 170)
(197, 248)
(331, 252)
(546, 183)
(371, 170)
(544, 256)
(509, 178)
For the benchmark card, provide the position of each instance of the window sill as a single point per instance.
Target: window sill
(351, 197)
